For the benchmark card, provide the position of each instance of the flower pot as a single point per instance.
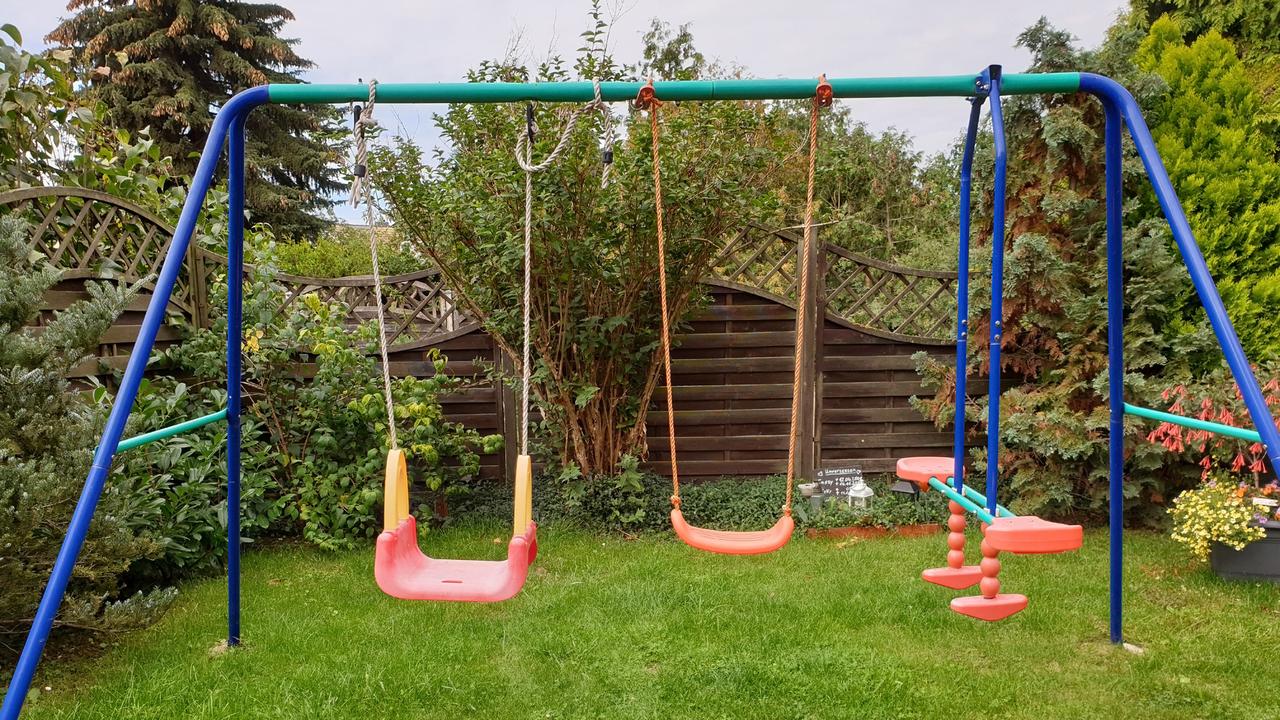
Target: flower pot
(1259, 560)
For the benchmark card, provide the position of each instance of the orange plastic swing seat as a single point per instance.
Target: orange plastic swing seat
(729, 542)
(404, 571)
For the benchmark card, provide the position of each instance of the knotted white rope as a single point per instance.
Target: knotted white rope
(361, 189)
(524, 158)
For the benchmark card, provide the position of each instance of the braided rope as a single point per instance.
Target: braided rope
(802, 305)
(524, 158)
(361, 189)
(653, 104)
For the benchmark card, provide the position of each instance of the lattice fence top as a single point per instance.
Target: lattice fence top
(874, 296)
(90, 234)
(93, 235)
(419, 310)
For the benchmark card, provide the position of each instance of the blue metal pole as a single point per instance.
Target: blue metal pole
(1115, 358)
(235, 310)
(1110, 90)
(992, 75)
(962, 285)
(50, 601)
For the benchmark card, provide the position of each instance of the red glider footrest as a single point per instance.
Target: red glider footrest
(919, 469)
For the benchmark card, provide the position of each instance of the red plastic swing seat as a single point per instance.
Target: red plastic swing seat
(403, 571)
(729, 542)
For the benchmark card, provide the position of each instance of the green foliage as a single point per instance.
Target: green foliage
(343, 250)
(323, 438)
(669, 54)
(177, 486)
(35, 99)
(887, 510)
(1224, 165)
(594, 296)
(1053, 413)
(882, 198)
(164, 64)
(47, 438)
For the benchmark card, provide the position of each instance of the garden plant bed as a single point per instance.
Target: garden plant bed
(873, 532)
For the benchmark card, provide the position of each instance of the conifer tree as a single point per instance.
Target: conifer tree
(167, 64)
(47, 435)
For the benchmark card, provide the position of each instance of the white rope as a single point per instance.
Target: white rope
(361, 189)
(524, 158)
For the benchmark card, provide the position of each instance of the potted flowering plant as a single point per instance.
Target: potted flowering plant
(1220, 522)
(1233, 518)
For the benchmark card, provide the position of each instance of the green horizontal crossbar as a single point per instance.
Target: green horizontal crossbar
(1213, 427)
(960, 500)
(170, 431)
(979, 498)
(762, 89)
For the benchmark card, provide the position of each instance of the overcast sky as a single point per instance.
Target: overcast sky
(425, 40)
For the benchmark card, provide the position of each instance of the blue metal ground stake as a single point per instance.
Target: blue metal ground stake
(962, 285)
(1115, 361)
(992, 75)
(235, 305)
(50, 601)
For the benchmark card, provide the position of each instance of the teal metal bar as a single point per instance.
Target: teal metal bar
(172, 430)
(961, 500)
(974, 495)
(762, 89)
(1213, 427)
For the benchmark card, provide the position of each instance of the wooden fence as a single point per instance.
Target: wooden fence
(732, 369)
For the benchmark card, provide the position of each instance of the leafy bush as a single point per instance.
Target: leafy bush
(324, 438)
(178, 484)
(343, 250)
(886, 510)
(47, 437)
(1216, 398)
(636, 501)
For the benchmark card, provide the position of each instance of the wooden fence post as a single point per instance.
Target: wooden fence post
(508, 408)
(819, 294)
(199, 290)
(806, 442)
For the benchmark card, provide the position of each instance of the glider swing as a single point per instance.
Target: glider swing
(753, 542)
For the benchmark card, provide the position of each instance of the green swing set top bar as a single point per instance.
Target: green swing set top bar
(162, 433)
(775, 89)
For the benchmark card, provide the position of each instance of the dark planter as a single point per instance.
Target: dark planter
(1259, 560)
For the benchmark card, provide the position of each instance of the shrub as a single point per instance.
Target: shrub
(324, 438)
(47, 437)
(1217, 398)
(178, 484)
(343, 250)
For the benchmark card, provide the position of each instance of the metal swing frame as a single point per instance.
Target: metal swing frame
(1120, 111)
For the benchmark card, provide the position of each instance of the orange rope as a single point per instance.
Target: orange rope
(652, 104)
(802, 305)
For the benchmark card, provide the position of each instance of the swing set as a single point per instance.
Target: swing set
(403, 571)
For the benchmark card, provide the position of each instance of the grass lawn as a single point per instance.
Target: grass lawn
(608, 628)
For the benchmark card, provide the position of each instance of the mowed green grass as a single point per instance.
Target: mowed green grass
(610, 628)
